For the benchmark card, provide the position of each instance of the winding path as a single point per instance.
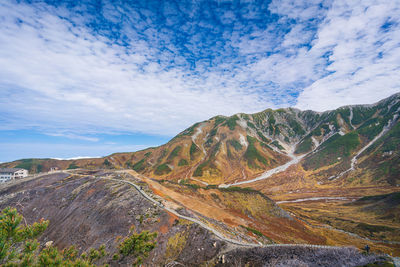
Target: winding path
(215, 232)
(203, 225)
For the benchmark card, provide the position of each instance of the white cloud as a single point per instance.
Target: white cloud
(70, 79)
(59, 76)
(364, 60)
(74, 136)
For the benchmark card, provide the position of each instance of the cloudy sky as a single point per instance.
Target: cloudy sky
(88, 78)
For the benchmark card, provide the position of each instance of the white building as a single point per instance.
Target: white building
(8, 174)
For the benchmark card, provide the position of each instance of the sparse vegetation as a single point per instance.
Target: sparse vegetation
(175, 245)
(209, 163)
(300, 256)
(183, 162)
(19, 246)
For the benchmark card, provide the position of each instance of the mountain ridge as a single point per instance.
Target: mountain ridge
(242, 146)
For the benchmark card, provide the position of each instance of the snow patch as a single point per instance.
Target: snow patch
(314, 199)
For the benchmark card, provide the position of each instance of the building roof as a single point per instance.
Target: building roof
(8, 170)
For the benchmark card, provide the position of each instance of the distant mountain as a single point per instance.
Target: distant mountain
(361, 140)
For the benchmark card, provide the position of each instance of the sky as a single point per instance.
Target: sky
(89, 78)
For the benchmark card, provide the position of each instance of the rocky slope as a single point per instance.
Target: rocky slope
(87, 209)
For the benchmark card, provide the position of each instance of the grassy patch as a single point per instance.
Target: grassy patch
(209, 163)
(252, 155)
(262, 137)
(139, 166)
(371, 128)
(174, 152)
(231, 122)
(193, 150)
(277, 145)
(251, 125)
(218, 120)
(375, 228)
(236, 144)
(333, 150)
(254, 231)
(175, 245)
(296, 127)
(304, 146)
(72, 166)
(239, 189)
(361, 114)
(183, 162)
(162, 169)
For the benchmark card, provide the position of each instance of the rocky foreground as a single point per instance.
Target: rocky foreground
(87, 211)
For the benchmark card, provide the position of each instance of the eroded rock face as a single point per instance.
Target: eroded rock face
(87, 212)
(297, 256)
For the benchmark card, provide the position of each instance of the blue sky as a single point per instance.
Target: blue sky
(87, 78)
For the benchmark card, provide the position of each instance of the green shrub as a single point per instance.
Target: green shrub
(304, 146)
(236, 144)
(138, 245)
(193, 150)
(252, 154)
(72, 166)
(19, 247)
(254, 231)
(174, 152)
(335, 147)
(162, 169)
(139, 166)
(276, 144)
(183, 162)
(262, 137)
(231, 122)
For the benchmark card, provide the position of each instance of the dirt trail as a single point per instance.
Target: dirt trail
(202, 224)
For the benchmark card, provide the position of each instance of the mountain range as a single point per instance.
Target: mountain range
(278, 176)
(355, 144)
